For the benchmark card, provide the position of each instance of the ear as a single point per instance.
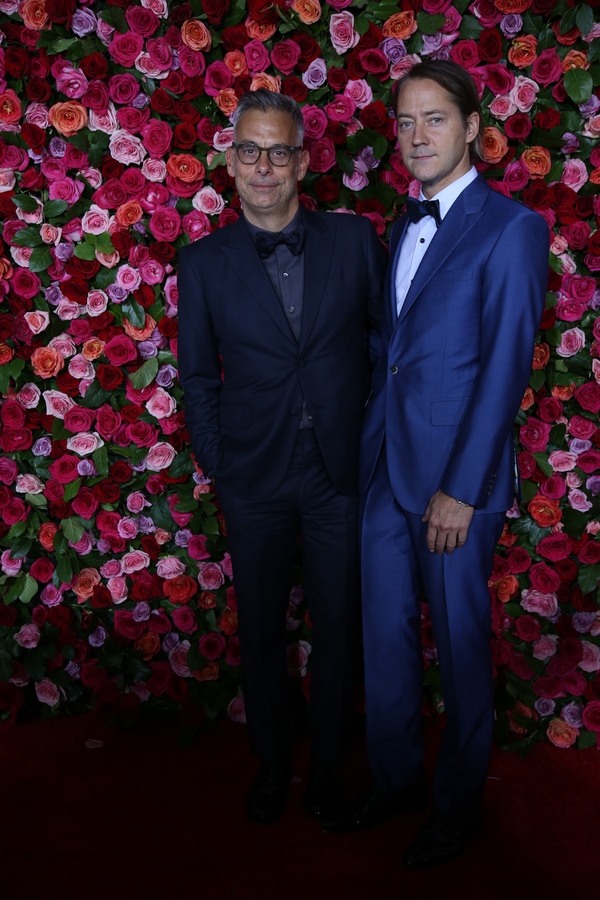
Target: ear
(230, 159)
(472, 127)
(303, 161)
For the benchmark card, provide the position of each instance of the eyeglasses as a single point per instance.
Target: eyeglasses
(278, 154)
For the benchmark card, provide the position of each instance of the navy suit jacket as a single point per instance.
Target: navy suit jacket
(463, 347)
(243, 428)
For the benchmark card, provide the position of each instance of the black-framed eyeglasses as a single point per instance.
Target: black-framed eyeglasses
(278, 154)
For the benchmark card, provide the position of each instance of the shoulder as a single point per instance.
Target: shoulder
(207, 245)
(506, 209)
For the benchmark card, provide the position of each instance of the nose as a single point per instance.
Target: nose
(263, 164)
(419, 134)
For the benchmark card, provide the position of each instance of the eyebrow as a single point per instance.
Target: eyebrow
(428, 112)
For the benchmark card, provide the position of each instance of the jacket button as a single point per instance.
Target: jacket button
(293, 411)
(393, 369)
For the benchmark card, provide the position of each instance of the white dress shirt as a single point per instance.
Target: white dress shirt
(419, 235)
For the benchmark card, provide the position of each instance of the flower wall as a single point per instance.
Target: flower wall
(116, 583)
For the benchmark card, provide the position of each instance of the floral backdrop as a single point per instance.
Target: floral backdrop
(117, 588)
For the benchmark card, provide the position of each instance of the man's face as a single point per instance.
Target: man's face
(263, 187)
(431, 135)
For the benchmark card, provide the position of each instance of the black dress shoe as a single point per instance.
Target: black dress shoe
(267, 796)
(375, 806)
(323, 796)
(443, 837)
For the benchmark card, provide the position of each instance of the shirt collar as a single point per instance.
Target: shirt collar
(451, 193)
(295, 225)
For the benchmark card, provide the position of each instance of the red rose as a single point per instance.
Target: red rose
(184, 620)
(517, 126)
(94, 66)
(375, 62)
(34, 136)
(212, 645)
(591, 716)
(589, 553)
(327, 189)
(537, 194)
(8, 615)
(158, 623)
(107, 491)
(42, 569)
(111, 195)
(547, 119)
(521, 667)
(265, 11)
(161, 674)
(82, 268)
(109, 377)
(543, 578)
(490, 45)
(16, 61)
(518, 560)
(337, 78)
(92, 676)
(126, 625)
(180, 589)
(161, 102)
(228, 623)
(37, 91)
(121, 471)
(554, 547)
(544, 512)
(528, 628)
(465, 54)
(64, 469)
(235, 37)
(215, 10)
(185, 136)
(309, 49)
(295, 88)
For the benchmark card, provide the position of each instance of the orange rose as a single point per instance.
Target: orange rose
(521, 710)
(512, 6)
(575, 59)
(33, 13)
(6, 353)
(541, 355)
(528, 399)
(400, 26)
(149, 644)
(537, 160)
(523, 51)
(563, 391)
(210, 672)
(129, 213)
(308, 10)
(228, 623)
(196, 35)
(227, 101)
(236, 63)
(68, 118)
(185, 167)
(259, 31)
(561, 734)
(6, 269)
(85, 584)
(206, 600)
(10, 108)
(268, 82)
(46, 536)
(47, 362)
(595, 176)
(495, 144)
(506, 538)
(140, 334)
(92, 349)
(544, 512)
(180, 589)
(506, 588)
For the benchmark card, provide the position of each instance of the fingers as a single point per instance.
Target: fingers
(432, 534)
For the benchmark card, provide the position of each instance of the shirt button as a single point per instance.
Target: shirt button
(394, 370)
(422, 240)
(285, 274)
(310, 418)
(291, 309)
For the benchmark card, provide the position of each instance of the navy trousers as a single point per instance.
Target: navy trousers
(396, 565)
(263, 539)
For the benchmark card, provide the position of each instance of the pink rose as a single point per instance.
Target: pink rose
(66, 189)
(578, 500)
(161, 456)
(572, 341)
(226, 565)
(126, 148)
(236, 710)
(51, 596)
(574, 173)
(111, 568)
(170, 567)
(544, 604)
(561, 461)
(524, 93)
(343, 35)
(208, 201)
(341, 109)
(502, 107)
(135, 561)
(196, 224)
(28, 636)
(547, 67)
(178, 659)
(151, 271)
(360, 92)
(47, 692)
(10, 566)
(95, 220)
(117, 586)
(57, 403)
(210, 576)
(591, 657)
(297, 658)
(545, 646)
(85, 443)
(29, 397)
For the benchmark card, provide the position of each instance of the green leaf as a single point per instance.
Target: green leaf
(100, 459)
(103, 243)
(430, 24)
(61, 45)
(584, 18)
(236, 13)
(219, 160)
(15, 367)
(537, 379)
(37, 500)
(542, 461)
(4, 379)
(532, 24)
(546, 39)
(553, 337)
(20, 548)
(569, 20)
(144, 376)
(361, 24)
(64, 569)
(344, 162)
(40, 259)
(5, 666)
(16, 530)
(160, 511)
(594, 51)
(586, 739)
(54, 208)
(95, 396)
(30, 589)
(588, 578)
(578, 85)
(557, 434)
(470, 29)
(25, 202)
(72, 528)
(528, 490)
(71, 490)
(14, 590)
(85, 251)
(380, 146)
(181, 465)
(28, 237)
(35, 664)
(134, 312)
(382, 10)
(115, 17)
(574, 521)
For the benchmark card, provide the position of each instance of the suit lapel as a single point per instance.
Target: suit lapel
(462, 217)
(246, 263)
(318, 253)
(396, 238)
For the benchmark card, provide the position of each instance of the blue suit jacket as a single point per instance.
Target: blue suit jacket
(243, 428)
(463, 347)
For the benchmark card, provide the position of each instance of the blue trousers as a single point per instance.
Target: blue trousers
(396, 565)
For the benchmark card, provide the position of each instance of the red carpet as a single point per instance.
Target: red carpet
(141, 818)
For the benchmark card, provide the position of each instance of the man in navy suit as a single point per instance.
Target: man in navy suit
(464, 295)
(278, 302)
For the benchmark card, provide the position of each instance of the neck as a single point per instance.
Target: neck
(272, 219)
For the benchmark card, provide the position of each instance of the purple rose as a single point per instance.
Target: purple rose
(316, 74)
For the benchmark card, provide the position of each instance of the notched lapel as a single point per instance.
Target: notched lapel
(397, 237)
(461, 219)
(247, 265)
(318, 253)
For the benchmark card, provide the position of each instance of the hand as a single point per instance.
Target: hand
(448, 523)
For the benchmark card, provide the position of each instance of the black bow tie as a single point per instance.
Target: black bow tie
(417, 209)
(266, 241)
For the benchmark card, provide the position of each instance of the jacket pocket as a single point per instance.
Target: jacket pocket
(235, 415)
(448, 412)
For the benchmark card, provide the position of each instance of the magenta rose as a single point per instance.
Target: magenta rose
(528, 628)
(534, 434)
(126, 625)
(156, 137)
(218, 78)
(123, 89)
(257, 56)
(211, 645)
(197, 547)
(315, 122)
(547, 67)
(543, 578)
(591, 715)
(15, 511)
(24, 283)
(588, 396)
(285, 55)
(125, 48)
(120, 350)
(184, 619)
(210, 576)
(64, 469)
(165, 224)
(322, 155)
(77, 418)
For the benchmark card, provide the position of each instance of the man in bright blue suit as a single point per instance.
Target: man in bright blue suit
(464, 295)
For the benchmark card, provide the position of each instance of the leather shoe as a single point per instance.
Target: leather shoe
(267, 796)
(375, 806)
(443, 837)
(323, 796)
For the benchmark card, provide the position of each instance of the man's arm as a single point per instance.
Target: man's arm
(376, 266)
(199, 367)
(513, 294)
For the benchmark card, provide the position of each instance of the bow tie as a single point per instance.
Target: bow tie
(266, 241)
(417, 209)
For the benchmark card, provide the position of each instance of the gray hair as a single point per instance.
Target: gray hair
(266, 101)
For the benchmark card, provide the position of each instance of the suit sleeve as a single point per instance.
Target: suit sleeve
(376, 267)
(199, 366)
(513, 296)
